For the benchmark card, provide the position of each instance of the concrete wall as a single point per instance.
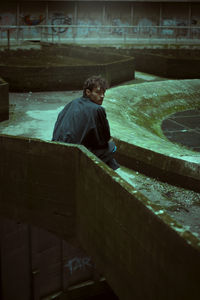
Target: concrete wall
(159, 166)
(118, 13)
(37, 263)
(142, 252)
(50, 76)
(41, 180)
(169, 63)
(37, 195)
(168, 66)
(4, 100)
(140, 255)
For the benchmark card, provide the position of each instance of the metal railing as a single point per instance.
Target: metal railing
(103, 34)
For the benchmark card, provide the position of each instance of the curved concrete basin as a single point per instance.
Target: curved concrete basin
(136, 113)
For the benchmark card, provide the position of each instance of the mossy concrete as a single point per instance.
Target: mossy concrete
(159, 166)
(140, 249)
(135, 113)
(126, 231)
(140, 110)
(4, 100)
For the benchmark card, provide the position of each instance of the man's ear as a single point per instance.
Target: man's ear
(88, 92)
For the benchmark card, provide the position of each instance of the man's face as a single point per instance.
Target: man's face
(96, 95)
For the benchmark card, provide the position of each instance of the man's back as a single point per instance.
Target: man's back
(82, 122)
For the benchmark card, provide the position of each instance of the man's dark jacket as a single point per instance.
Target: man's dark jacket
(84, 122)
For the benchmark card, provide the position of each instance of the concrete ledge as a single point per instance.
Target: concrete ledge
(138, 248)
(49, 75)
(142, 252)
(170, 66)
(165, 168)
(4, 100)
(170, 61)
(142, 146)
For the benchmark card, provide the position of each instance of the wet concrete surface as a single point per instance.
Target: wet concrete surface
(34, 114)
(184, 128)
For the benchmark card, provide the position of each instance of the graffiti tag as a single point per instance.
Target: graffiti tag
(33, 21)
(78, 263)
(60, 19)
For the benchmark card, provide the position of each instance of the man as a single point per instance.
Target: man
(83, 121)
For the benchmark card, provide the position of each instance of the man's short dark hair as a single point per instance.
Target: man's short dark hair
(93, 82)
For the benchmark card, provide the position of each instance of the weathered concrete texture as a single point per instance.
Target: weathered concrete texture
(180, 203)
(174, 63)
(38, 183)
(169, 66)
(142, 252)
(62, 68)
(38, 265)
(125, 232)
(4, 100)
(184, 128)
(162, 167)
(140, 110)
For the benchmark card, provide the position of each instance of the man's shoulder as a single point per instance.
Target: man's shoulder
(86, 104)
(75, 101)
(72, 103)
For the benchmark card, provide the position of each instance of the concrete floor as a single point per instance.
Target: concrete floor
(34, 114)
(184, 127)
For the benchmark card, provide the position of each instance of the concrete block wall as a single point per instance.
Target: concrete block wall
(4, 100)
